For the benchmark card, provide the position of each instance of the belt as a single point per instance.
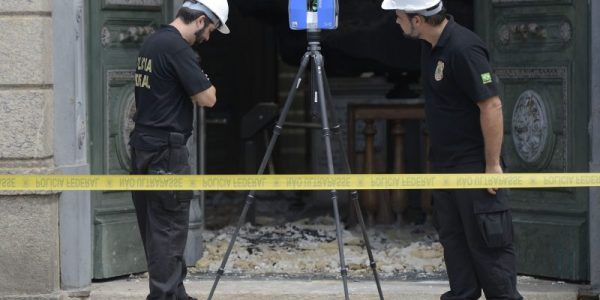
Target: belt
(172, 137)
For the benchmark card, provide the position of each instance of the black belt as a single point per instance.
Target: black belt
(172, 137)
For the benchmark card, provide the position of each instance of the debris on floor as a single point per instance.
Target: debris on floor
(308, 248)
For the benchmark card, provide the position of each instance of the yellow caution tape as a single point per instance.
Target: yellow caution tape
(295, 182)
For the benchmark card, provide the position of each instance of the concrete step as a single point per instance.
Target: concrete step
(280, 289)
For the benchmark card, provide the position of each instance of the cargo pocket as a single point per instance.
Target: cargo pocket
(496, 228)
(174, 201)
(169, 162)
(168, 201)
(485, 202)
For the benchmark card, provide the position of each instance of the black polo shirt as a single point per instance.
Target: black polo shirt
(456, 74)
(167, 74)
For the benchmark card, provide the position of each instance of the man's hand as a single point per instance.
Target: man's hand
(493, 169)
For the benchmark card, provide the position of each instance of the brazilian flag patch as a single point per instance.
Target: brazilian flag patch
(486, 78)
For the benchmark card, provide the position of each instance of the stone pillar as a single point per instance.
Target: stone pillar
(29, 238)
(71, 142)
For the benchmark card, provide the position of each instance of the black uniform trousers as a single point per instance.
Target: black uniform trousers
(475, 230)
(163, 220)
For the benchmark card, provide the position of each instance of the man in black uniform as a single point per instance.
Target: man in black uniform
(464, 116)
(168, 83)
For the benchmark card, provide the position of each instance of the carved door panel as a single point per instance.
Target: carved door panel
(539, 51)
(116, 30)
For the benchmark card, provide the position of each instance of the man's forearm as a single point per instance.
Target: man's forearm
(207, 98)
(492, 127)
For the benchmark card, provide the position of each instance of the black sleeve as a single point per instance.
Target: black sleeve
(187, 68)
(474, 74)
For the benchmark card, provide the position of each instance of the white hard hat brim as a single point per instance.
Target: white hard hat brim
(224, 29)
(388, 5)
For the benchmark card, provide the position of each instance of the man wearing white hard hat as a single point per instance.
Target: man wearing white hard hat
(169, 82)
(464, 118)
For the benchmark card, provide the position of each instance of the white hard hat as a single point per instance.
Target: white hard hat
(422, 7)
(216, 10)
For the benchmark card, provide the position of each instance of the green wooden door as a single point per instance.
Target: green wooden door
(539, 51)
(116, 30)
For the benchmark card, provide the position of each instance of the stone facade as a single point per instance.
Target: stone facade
(29, 247)
(29, 250)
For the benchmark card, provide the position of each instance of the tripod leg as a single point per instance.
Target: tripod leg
(263, 165)
(318, 72)
(353, 194)
(361, 221)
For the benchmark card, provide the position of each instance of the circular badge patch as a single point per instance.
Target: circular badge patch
(439, 71)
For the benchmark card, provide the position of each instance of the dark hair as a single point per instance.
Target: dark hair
(434, 20)
(189, 15)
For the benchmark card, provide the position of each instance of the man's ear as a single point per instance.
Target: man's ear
(417, 20)
(201, 21)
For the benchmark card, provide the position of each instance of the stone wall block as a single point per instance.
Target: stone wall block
(27, 125)
(25, 6)
(30, 245)
(26, 50)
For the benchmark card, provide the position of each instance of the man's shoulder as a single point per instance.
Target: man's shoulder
(464, 38)
(166, 39)
(465, 42)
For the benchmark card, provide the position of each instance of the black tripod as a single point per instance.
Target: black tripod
(318, 77)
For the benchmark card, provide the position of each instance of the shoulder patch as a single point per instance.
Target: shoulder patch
(486, 78)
